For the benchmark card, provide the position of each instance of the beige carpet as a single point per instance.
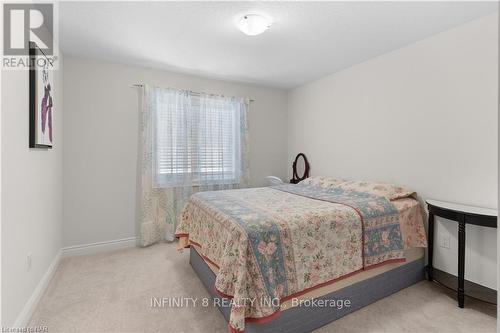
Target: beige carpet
(111, 292)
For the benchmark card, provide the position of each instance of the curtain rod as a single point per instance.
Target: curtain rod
(137, 85)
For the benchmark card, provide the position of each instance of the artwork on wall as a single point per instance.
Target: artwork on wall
(41, 105)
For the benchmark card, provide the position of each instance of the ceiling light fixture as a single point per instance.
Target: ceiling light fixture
(253, 24)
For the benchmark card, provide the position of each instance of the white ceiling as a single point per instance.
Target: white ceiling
(307, 40)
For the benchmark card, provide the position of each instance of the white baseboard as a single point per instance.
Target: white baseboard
(24, 317)
(92, 248)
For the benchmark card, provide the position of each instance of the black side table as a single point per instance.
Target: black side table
(463, 215)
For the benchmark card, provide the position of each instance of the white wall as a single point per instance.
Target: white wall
(101, 128)
(31, 195)
(424, 116)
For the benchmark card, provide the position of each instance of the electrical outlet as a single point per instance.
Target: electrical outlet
(444, 241)
(28, 261)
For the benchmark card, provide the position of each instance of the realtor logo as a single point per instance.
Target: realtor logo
(28, 25)
(28, 22)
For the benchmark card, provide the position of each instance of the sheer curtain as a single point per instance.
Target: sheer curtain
(189, 143)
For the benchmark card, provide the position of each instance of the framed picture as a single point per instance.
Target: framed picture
(41, 104)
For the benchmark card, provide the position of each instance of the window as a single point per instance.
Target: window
(197, 137)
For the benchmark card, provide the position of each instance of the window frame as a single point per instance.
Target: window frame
(177, 177)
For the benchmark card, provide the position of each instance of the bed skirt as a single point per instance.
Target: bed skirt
(305, 319)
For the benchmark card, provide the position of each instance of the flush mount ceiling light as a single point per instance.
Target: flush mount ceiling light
(253, 24)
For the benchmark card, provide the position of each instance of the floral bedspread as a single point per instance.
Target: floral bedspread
(382, 239)
(272, 243)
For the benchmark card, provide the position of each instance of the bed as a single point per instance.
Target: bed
(268, 249)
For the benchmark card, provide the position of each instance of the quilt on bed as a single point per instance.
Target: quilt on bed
(273, 243)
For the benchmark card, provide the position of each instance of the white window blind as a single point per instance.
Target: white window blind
(197, 138)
